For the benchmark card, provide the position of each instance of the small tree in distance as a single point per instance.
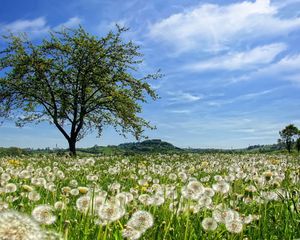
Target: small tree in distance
(76, 81)
(288, 135)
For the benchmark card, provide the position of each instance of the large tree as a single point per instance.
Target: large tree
(288, 135)
(76, 81)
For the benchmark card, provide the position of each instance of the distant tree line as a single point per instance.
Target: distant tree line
(290, 137)
(13, 151)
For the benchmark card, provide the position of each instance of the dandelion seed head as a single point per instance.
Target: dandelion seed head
(34, 196)
(10, 188)
(131, 233)
(234, 226)
(111, 211)
(83, 203)
(16, 226)
(141, 221)
(209, 224)
(43, 214)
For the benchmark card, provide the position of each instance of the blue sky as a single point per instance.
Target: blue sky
(232, 68)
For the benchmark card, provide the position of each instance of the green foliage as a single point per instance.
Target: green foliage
(288, 135)
(76, 81)
(150, 146)
(13, 151)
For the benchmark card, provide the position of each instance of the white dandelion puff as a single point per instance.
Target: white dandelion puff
(43, 214)
(141, 221)
(111, 211)
(209, 224)
(16, 226)
(234, 226)
(131, 233)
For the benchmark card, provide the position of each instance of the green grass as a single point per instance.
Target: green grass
(278, 219)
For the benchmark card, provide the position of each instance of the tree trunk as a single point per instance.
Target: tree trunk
(72, 147)
(288, 146)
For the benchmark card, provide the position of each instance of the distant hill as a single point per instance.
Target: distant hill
(149, 146)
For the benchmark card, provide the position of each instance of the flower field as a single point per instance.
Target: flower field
(189, 196)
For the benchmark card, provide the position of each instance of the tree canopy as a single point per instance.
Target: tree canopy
(288, 135)
(76, 81)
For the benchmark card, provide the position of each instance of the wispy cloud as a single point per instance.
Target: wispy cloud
(72, 22)
(35, 28)
(240, 60)
(184, 97)
(211, 27)
(244, 97)
(180, 111)
(286, 65)
(282, 4)
(286, 68)
(294, 78)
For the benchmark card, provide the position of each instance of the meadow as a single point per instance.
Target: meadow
(183, 196)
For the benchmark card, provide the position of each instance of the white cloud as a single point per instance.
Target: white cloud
(245, 130)
(212, 27)
(295, 78)
(106, 26)
(228, 123)
(183, 111)
(286, 69)
(256, 94)
(35, 27)
(244, 97)
(184, 97)
(286, 64)
(241, 60)
(72, 22)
